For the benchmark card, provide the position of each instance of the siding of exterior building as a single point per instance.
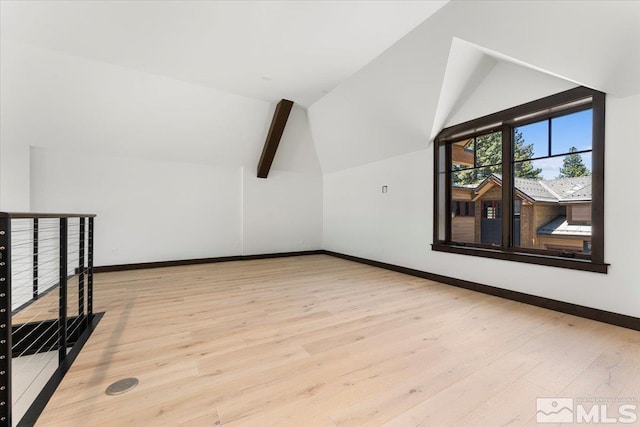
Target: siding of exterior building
(542, 214)
(527, 225)
(572, 243)
(463, 227)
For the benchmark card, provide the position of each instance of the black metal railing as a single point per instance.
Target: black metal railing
(46, 306)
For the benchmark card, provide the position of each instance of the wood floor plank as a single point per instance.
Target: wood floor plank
(456, 401)
(318, 341)
(514, 406)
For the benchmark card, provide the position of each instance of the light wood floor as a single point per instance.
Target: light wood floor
(320, 341)
(46, 307)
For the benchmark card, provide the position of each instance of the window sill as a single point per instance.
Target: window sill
(551, 261)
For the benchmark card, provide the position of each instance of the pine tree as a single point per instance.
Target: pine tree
(488, 150)
(573, 166)
(524, 152)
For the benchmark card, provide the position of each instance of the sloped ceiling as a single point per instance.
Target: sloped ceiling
(467, 66)
(478, 81)
(267, 50)
(50, 99)
(505, 85)
(402, 98)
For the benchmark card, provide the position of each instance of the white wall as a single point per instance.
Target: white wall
(361, 220)
(397, 227)
(281, 213)
(160, 161)
(14, 176)
(148, 210)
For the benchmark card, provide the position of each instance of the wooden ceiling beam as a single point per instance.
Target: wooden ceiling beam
(276, 129)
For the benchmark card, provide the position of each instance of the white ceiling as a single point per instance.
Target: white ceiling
(396, 103)
(261, 49)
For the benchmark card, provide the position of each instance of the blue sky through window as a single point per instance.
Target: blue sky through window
(572, 130)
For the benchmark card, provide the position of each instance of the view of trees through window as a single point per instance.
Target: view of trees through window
(573, 165)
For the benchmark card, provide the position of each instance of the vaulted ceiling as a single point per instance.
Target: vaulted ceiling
(268, 50)
(379, 78)
(402, 98)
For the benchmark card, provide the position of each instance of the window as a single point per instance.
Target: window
(579, 214)
(536, 173)
(491, 209)
(459, 208)
(516, 207)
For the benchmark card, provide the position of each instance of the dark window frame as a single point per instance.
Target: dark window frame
(567, 102)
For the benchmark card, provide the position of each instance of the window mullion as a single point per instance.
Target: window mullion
(507, 186)
(549, 133)
(597, 167)
(436, 191)
(447, 193)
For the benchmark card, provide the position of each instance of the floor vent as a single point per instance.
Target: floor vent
(122, 386)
